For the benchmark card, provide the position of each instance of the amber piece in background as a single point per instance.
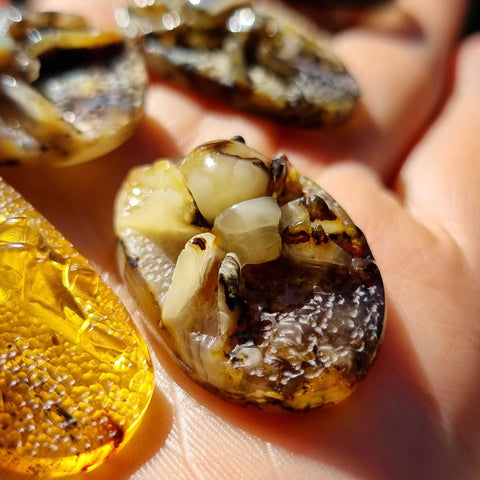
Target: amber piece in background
(75, 374)
(69, 92)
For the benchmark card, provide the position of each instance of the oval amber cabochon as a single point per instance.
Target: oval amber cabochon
(75, 373)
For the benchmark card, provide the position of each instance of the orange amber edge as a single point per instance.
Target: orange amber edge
(75, 373)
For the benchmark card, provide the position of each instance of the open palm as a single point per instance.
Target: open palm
(407, 170)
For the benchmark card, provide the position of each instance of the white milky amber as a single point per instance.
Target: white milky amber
(250, 229)
(206, 172)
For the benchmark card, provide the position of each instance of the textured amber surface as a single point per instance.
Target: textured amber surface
(75, 374)
(280, 305)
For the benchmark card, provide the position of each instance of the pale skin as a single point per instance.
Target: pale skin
(407, 170)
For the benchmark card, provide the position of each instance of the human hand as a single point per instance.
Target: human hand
(416, 414)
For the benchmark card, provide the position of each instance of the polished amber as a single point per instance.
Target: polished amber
(266, 291)
(75, 374)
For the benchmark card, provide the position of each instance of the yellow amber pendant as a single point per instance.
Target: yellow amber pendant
(75, 374)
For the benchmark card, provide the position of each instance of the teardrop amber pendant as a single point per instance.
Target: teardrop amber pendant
(75, 374)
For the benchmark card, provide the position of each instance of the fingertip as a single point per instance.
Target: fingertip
(468, 66)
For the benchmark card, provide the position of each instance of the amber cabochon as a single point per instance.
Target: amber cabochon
(75, 373)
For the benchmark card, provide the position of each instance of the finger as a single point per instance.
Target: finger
(440, 183)
(428, 253)
(441, 179)
(401, 77)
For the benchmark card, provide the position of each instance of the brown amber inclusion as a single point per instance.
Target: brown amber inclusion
(75, 374)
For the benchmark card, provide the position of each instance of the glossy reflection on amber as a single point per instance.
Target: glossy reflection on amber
(75, 374)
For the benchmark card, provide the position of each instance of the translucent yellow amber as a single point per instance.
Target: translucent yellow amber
(75, 374)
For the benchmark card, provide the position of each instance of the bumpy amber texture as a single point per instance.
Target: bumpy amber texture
(75, 374)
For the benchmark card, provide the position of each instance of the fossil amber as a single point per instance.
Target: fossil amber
(75, 374)
(266, 291)
(260, 58)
